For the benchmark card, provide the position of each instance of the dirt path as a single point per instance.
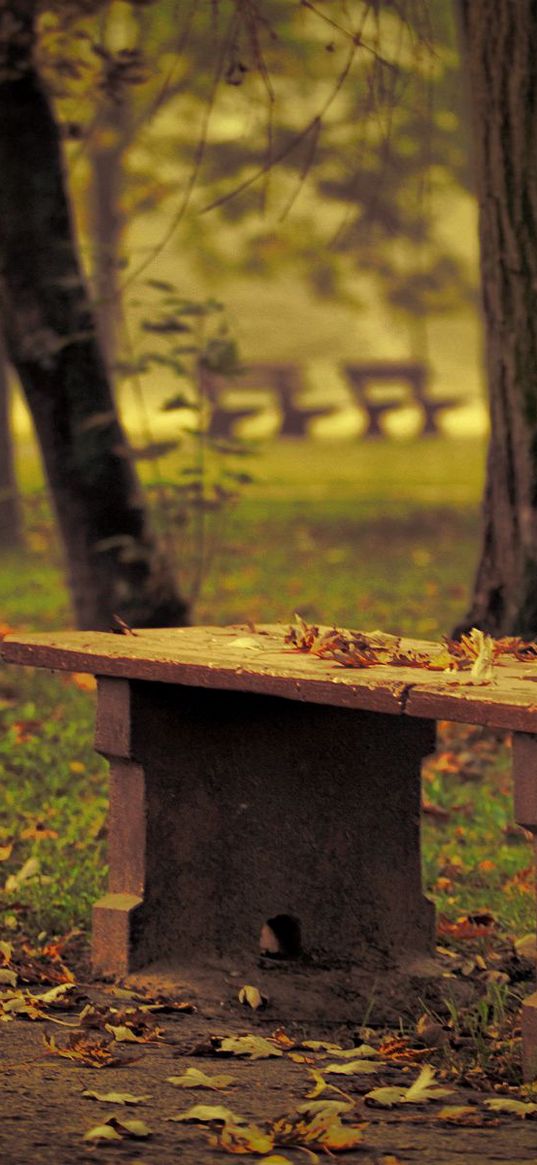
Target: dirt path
(44, 1114)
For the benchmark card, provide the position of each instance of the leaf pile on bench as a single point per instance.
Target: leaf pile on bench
(474, 651)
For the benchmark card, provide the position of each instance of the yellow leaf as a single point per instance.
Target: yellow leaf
(333, 1107)
(515, 1107)
(115, 1097)
(101, 1133)
(364, 1051)
(123, 1034)
(422, 1090)
(194, 1078)
(242, 1139)
(131, 1128)
(253, 1046)
(252, 997)
(276, 1159)
(456, 1113)
(6, 951)
(206, 1114)
(353, 1068)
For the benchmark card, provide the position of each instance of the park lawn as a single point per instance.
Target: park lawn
(363, 535)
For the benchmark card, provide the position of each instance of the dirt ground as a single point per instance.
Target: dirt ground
(44, 1114)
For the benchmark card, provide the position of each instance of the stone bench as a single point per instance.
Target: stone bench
(256, 790)
(384, 386)
(281, 384)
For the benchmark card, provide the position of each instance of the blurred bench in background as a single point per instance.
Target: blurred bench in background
(282, 385)
(383, 386)
(378, 387)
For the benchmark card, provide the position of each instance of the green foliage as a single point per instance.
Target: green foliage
(322, 136)
(189, 504)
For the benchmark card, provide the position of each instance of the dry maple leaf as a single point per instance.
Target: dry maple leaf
(242, 1139)
(323, 1129)
(123, 1033)
(468, 926)
(90, 1053)
(399, 1051)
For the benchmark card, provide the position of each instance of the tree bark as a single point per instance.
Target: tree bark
(11, 537)
(114, 564)
(500, 43)
(106, 157)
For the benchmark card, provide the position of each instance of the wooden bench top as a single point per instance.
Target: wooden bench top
(238, 658)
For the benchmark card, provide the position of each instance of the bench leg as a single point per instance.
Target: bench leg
(229, 808)
(525, 794)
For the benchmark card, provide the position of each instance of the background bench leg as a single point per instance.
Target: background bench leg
(230, 808)
(525, 794)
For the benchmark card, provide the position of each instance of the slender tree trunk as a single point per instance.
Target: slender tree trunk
(106, 155)
(10, 514)
(114, 564)
(500, 40)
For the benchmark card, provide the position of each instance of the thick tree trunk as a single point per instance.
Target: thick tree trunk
(113, 562)
(500, 39)
(10, 513)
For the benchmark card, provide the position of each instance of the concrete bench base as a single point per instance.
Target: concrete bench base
(228, 809)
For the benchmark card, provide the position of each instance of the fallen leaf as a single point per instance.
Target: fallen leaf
(55, 993)
(91, 1053)
(282, 1039)
(255, 1047)
(132, 1128)
(456, 1113)
(526, 946)
(124, 1034)
(6, 951)
(324, 1130)
(515, 1107)
(6, 851)
(336, 1107)
(115, 1097)
(420, 1092)
(241, 1139)
(206, 1114)
(252, 997)
(194, 1078)
(353, 1068)
(363, 1051)
(277, 1159)
(7, 976)
(101, 1133)
(116, 1129)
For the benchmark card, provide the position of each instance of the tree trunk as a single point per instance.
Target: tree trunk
(106, 156)
(114, 564)
(10, 514)
(500, 42)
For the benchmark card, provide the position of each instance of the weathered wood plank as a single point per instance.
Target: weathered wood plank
(235, 658)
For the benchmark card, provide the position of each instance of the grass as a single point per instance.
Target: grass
(378, 534)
